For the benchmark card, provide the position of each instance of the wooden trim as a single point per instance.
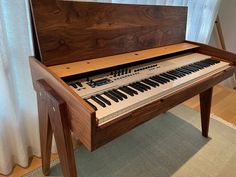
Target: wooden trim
(115, 60)
(215, 52)
(82, 118)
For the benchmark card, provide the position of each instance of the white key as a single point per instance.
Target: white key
(134, 102)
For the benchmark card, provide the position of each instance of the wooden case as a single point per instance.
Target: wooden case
(78, 37)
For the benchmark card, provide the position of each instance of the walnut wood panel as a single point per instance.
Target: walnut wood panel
(53, 119)
(112, 130)
(115, 60)
(61, 130)
(69, 31)
(81, 116)
(215, 52)
(45, 128)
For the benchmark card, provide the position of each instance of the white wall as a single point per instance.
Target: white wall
(227, 14)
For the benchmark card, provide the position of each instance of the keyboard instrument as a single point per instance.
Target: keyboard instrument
(102, 69)
(118, 92)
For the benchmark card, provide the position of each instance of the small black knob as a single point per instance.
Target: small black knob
(123, 72)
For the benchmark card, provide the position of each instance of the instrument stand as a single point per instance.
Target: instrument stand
(52, 112)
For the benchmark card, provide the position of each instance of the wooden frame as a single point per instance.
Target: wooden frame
(62, 111)
(82, 121)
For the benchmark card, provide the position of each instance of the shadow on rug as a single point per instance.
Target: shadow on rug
(169, 145)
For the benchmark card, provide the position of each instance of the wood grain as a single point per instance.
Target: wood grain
(69, 31)
(53, 119)
(74, 68)
(205, 102)
(81, 115)
(215, 52)
(45, 128)
(61, 130)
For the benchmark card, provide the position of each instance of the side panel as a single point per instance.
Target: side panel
(82, 117)
(215, 52)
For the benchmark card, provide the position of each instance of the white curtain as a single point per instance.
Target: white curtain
(19, 137)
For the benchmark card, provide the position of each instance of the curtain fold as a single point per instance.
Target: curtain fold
(19, 135)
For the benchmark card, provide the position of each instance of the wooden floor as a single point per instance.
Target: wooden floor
(223, 105)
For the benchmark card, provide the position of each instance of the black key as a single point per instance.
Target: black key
(149, 83)
(159, 79)
(204, 62)
(189, 69)
(98, 101)
(79, 84)
(144, 85)
(132, 90)
(157, 84)
(182, 74)
(103, 99)
(126, 91)
(210, 61)
(195, 69)
(195, 66)
(119, 93)
(172, 73)
(74, 85)
(111, 97)
(201, 65)
(141, 86)
(164, 79)
(136, 87)
(184, 71)
(168, 76)
(115, 95)
(94, 107)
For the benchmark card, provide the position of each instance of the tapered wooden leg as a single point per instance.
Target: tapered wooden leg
(53, 120)
(62, 134)
(205, 104)
(45, 132)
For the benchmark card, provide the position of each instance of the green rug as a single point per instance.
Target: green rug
(170, 145)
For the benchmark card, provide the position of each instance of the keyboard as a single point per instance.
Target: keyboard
(115, 93)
